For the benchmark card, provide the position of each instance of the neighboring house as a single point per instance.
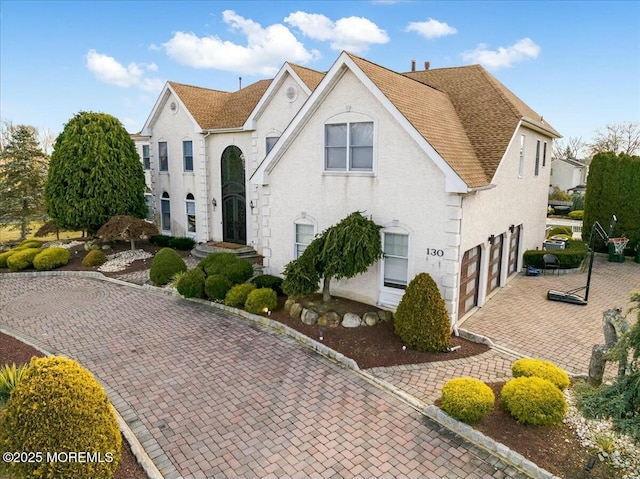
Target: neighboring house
(451, 164)
(569, 174)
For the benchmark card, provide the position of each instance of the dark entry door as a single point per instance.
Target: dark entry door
(234, 226)
(469, 281)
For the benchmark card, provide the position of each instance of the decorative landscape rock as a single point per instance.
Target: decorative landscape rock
(287, 305)
(351, 320)
(330, 320)
(309, 316)
(295, 311)
(371, 318)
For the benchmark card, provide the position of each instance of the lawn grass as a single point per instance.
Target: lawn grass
(11, 234)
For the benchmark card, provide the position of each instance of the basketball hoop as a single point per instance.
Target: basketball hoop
(619, 244)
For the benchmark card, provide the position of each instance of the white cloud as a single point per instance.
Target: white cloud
(266, 49)
(109, 70)
(503, 57)
(354, 34)
(431, 28)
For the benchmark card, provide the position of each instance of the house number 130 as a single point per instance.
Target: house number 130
(435, 252)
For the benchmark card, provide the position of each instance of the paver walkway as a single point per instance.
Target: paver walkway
(214, 396)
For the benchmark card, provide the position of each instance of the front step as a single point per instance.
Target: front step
(203, 250)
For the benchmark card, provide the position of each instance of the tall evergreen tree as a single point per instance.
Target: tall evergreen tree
(23, 171)
(95, 173)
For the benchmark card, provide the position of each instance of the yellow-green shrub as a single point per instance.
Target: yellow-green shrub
(30, 243)
(4, 256)
(9, 378)
(261, 300)
(51, 258)
(22, 259)
(95, 257)
(237, 295)
(535, 401)
(67, 411)
(541, 369)
(467, 399)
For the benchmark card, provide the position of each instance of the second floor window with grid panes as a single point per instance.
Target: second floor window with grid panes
(270, 142)
(163, 156)
(187, 155)
(348, 146)
(304, 236)
(146, 157)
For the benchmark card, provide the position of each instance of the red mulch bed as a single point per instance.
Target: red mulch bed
(14, 351)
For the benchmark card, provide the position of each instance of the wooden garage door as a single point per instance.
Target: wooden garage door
(469, 280)
(495, 264)
(514, 246)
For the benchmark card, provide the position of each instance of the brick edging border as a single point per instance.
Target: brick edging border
(434, 413)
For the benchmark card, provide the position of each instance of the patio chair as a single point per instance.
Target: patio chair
(551, 262)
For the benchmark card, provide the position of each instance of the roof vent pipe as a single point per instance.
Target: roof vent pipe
(239, 83)
(413, 65)
(427, 65)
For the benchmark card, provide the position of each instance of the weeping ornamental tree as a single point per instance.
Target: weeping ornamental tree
(344, 250)
(94, 173)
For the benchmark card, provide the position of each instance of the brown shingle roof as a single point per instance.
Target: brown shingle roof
(488, 110)
(310, 77)
(433, 115)
(215, 109)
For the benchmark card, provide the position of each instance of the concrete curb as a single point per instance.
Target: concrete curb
(461, 429)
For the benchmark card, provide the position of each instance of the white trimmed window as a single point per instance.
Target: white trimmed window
(348, 146)
(191, 213)
(163, 156)
(165, 212)
(270, 142)
(537, 168)
(304, 236)
(396, 260)
(187, 155)
(149, 200)
(521, 168)
(544, 155)
(146, 157)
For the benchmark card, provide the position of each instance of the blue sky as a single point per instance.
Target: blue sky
(575, 63)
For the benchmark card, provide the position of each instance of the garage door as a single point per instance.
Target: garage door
(514, 246)
(495, 262)
(469, 280)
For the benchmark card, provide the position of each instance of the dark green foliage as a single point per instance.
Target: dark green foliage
(560, 230)
(160, 240)
(22, 259)
(261, 300)
(578, 202)
(421, 320)
(237, 295)
(619, 400)
(94, 257)
(94, 173)
(165, 264)
(51, 258)
(344, 250)
(22, 178)
(236, 270)
(191, 284)
(182, 243)
(614, 188)
(570, 257)
(216, 287)
(268, 281)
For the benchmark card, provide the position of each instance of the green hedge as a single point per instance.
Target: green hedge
(570, 257)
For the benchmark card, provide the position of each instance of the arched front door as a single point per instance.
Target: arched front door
(234, 226)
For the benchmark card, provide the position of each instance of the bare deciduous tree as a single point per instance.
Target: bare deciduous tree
(618, 138)
(572, 148)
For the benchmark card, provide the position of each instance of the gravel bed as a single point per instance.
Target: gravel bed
(62, 244)
(119, 261)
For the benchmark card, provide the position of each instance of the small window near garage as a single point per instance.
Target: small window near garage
(270, 142)
(349, 147)
(521, 167)
(146, 157)
(544, 154)
(537, 167)
(163, 156)
(165, 212)
(304, 236)
(191, 213)
(187, 155)
(396, 260)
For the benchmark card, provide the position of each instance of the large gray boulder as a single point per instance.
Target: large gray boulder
(309, 316)
(351, 320)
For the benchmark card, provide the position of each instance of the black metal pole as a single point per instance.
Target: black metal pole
(592, 246)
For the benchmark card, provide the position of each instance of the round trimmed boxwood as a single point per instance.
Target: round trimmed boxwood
(541, 369)
(4, 256)
(68, 410)
(268, 281)
(535, 401)
(30, 243)
(22, 259)
(216, 287)
(51, 258)
(237, 295)
(213, 263)
(261, 300)
(191, 284)
(95, 257)
(421, 320)
(467, 399)
(165, 264)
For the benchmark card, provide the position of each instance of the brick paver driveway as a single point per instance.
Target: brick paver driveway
(220, 397)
